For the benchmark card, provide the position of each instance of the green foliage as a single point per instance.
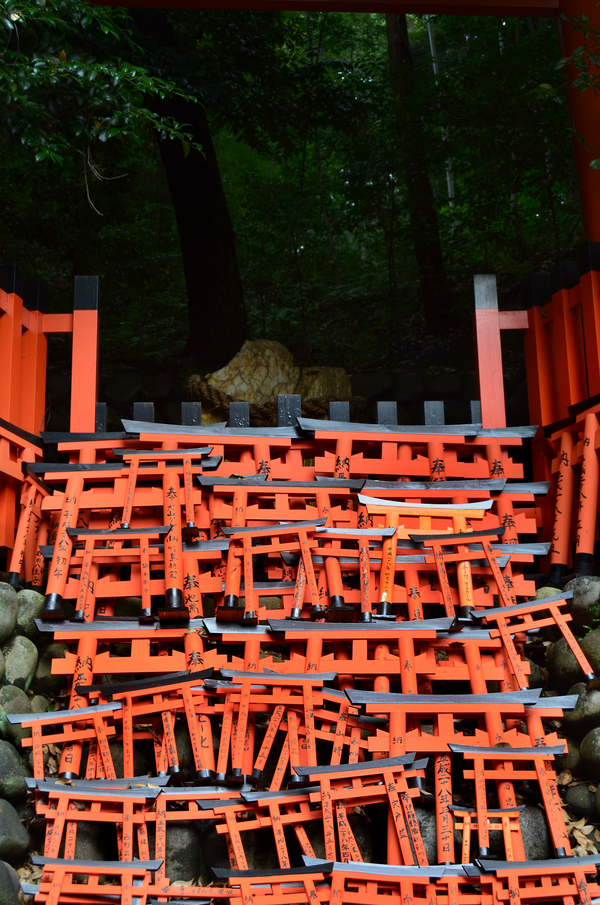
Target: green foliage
(312, 151)
(58, 96)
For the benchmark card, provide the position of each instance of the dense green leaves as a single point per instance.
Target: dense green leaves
(311, 146)
(65, 83)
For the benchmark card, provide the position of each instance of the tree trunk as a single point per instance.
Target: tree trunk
(435, 292)
(217, 317)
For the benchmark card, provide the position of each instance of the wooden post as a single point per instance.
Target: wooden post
(489, 351)
(84, 366)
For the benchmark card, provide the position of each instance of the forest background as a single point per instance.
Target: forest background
(353, 194)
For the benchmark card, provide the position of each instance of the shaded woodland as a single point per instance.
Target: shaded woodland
(354, 174)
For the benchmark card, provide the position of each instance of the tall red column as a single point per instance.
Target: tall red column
(584, 116)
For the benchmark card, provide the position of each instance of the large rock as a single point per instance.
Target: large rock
(585, 605)
(315, 382)
(563, 667)
(261, 369)
(13, 700)
(21, 658)
(31, 605)
(536, 836)
(584, 716)
(141, 764)
(581, 800)
(184, 855)
(590, 645)
(12, 773)
(570, 760)
(590, 755)
(44, 682)
(14, 838)
(9, 607)
(10, 885)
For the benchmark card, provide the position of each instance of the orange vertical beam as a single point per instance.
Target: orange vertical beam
(568, 355)
(84, 368)
(584, 114)
(34, 346)
(489, 351)
(588, 262)
(11, 314)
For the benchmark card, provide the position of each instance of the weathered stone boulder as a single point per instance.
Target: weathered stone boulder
(9, 607)
(563, 667)
(585, 606)
(590, 755)
(14, 838)
(581, 800)
(44, 682)
(31, 605)
(570, 760)
(13, 700)
(21, 657)
(12, 773)
(584, 716)
(10, 885)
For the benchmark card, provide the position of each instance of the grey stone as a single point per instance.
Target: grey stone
(12, 773)
(427, 825)
(21, 657)
(30, 606)
(538, 676)
(14, 838)
(590, 755)
(536, 837)
(128, 606)
(39, 703)
(585, 606)
(563, 667)
(546, 591)
(584, 716)
(407, 387)
(590, 645)
(184, 855)
(10, 885)
(44, 682)
(91, 841)
(571, 760)
(13, 700)
(141, 764)
(9, 606)
(581, 801)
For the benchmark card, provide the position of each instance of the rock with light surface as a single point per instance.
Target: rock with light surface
(260, 371)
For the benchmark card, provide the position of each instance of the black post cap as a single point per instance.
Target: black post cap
(588, 257)
(536, 289)
(35, 294)
(85, 294)
(564, 275)
(11, 279)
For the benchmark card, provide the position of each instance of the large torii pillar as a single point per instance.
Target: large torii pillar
(584, 116)
(584, 107)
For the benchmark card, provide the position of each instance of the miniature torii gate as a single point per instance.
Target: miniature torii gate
(584, 108)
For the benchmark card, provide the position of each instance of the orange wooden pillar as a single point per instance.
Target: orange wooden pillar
(11, 316)
(584, 115)
(588, 263)
(488, 324)
(34, 350)
(84, 369)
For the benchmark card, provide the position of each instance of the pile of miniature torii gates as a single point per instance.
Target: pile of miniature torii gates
(393, 670)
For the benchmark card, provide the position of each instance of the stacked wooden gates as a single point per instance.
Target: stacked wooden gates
(307, 626)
